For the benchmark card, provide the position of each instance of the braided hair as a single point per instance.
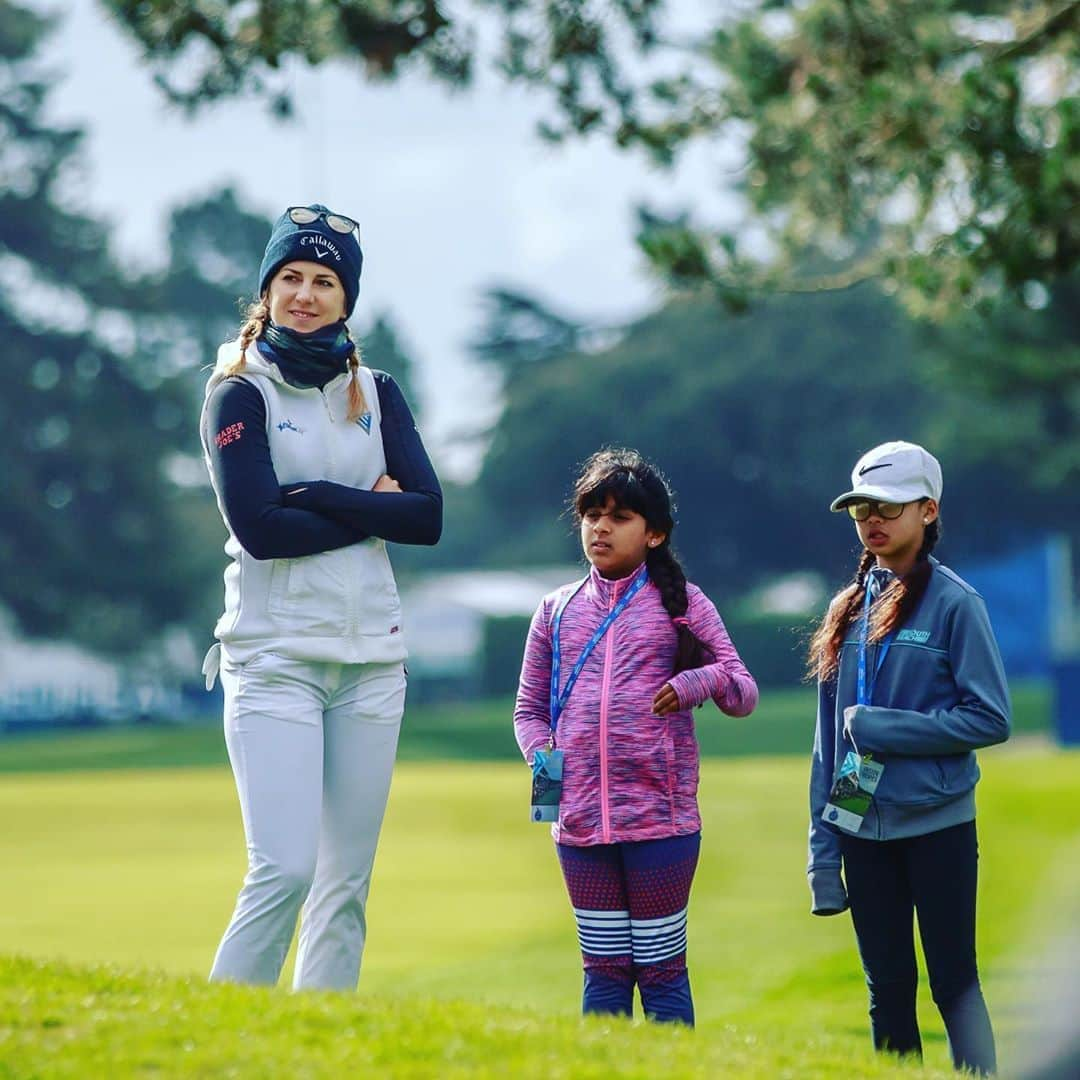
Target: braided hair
(255, 319)
(891, 611)
(635, 484)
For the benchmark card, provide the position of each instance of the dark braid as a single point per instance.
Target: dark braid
(667, 574)
(898, 602)
(665, 571)
(636, 484)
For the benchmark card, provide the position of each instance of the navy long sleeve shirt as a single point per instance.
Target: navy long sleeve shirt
(306, 518)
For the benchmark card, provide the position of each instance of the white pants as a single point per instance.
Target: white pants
(312, 747)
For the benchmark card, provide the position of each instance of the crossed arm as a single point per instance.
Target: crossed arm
(275, 522)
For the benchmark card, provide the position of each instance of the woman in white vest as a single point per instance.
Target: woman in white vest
(316, 464)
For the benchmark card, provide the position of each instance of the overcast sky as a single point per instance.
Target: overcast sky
(454, 192)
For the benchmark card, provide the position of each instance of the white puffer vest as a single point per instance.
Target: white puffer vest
(339, 606)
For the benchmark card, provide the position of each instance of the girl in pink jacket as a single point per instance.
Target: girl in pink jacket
(633, 647)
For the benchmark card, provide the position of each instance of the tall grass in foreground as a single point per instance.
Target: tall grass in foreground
(472, 966)
(62, 1022)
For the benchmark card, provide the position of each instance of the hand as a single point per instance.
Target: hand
(666, 700)
(386, 483)
(829, 897)
(849, 720)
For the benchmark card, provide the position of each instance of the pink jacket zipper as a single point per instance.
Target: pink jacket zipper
(605, 809)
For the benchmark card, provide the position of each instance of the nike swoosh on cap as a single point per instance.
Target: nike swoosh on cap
(870, 468)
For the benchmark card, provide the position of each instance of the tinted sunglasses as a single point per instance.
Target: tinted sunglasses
(304, 215)
(861, 510)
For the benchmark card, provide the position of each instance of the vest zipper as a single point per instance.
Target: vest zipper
(352, 605)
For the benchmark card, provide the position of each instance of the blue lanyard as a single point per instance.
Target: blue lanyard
(558, 701)
(865, 693)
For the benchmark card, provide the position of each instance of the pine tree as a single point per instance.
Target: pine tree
(384, 350)
(90, 542)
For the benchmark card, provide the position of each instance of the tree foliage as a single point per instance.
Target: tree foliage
(215, 247)
(757, 420)
(384, 349)
(83, 421)
(1029, 361)
(98, 543)
(949, 130)
(952, 129)
(205, 51)
(519, 331)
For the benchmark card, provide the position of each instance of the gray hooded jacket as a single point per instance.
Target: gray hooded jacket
(940, 695)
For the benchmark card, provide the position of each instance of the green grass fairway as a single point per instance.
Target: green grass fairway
(783, 723)
(472, 966)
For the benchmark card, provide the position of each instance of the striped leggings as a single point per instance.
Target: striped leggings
(630, 903)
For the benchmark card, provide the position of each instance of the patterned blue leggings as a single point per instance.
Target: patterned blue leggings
(630, 903)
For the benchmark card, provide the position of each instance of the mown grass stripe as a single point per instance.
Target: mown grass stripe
(783, 723)
(472, 948)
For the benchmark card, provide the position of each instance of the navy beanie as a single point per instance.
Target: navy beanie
(315, 242)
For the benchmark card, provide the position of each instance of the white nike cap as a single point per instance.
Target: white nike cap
(896, 472)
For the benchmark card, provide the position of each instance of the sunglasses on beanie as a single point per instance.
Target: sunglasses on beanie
(304, 215)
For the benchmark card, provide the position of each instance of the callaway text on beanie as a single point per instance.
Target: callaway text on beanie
(315, 242)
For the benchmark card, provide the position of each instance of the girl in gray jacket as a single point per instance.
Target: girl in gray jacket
(910, 684)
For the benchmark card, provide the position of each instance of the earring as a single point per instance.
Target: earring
(926, 521)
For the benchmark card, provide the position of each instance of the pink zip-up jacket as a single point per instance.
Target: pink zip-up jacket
(627, 773)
